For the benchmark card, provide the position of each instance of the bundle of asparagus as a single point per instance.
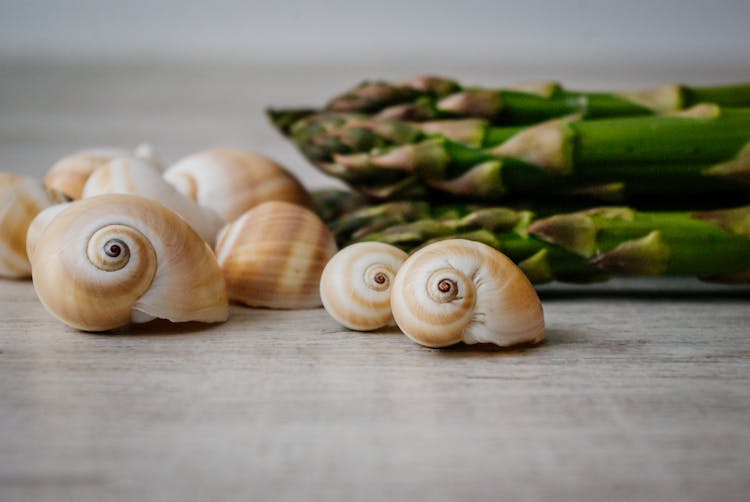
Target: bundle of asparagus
(581, 246)
(444, 155)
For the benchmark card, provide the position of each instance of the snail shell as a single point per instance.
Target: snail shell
(38, 225)
(21, 199)
(273, 256)
(356, 284)
(457, 290)
(69, 174)
(103, 262)
(135, 176)
(232, 181)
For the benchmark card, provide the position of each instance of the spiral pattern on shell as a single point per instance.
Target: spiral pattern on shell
(273, 256)
(457, 290)
(103, 262)
(232, 181)
(356, 284)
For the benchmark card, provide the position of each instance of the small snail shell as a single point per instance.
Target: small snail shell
(135, 176)
(69, 174)
(21, 199)
(356, 284)
(106, 261)
(232, 181)
(457, 290)
(273, 256)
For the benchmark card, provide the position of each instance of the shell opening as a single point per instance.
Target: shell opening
(378, 277)
(108, 247)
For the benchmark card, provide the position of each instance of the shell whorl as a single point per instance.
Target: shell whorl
(232, 181)
(21, 199)
(458, 290)
(356, 284)
(273, 256)
(103, 262)
(139, 177)
(109, 249)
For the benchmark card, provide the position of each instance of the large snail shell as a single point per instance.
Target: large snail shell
(273, 256)
(356, 284)
(232, 181)
(103, 262)
(69, 174)
(457, 290)
(135, 176)
(21, 199)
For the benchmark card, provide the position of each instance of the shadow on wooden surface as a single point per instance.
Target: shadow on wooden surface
(159, 327)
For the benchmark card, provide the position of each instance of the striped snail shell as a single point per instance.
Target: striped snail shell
(231, 181)
(21, 199)
(356, 284)
(463, 291)
(105, 261)
(273, 255)
(135, 176)
(69, 174)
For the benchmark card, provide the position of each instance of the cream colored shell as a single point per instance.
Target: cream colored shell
(135, 176)
(231, 181)
(273, 256)
(463, 291)
(356, 284)
(38, 225)
(21, 199)
(103, 262)
(69, 174)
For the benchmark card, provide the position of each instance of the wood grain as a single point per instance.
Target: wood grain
(641, 391)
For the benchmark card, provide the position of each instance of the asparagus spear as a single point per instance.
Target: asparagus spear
(590, 245)
(705, 147)
(423, 98)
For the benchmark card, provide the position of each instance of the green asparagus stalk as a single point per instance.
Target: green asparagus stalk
(705, 147)
(590, 245)
(424, 98)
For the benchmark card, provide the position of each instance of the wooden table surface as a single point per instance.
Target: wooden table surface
(641, 391)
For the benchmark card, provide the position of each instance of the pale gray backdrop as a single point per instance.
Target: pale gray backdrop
(545, 31)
